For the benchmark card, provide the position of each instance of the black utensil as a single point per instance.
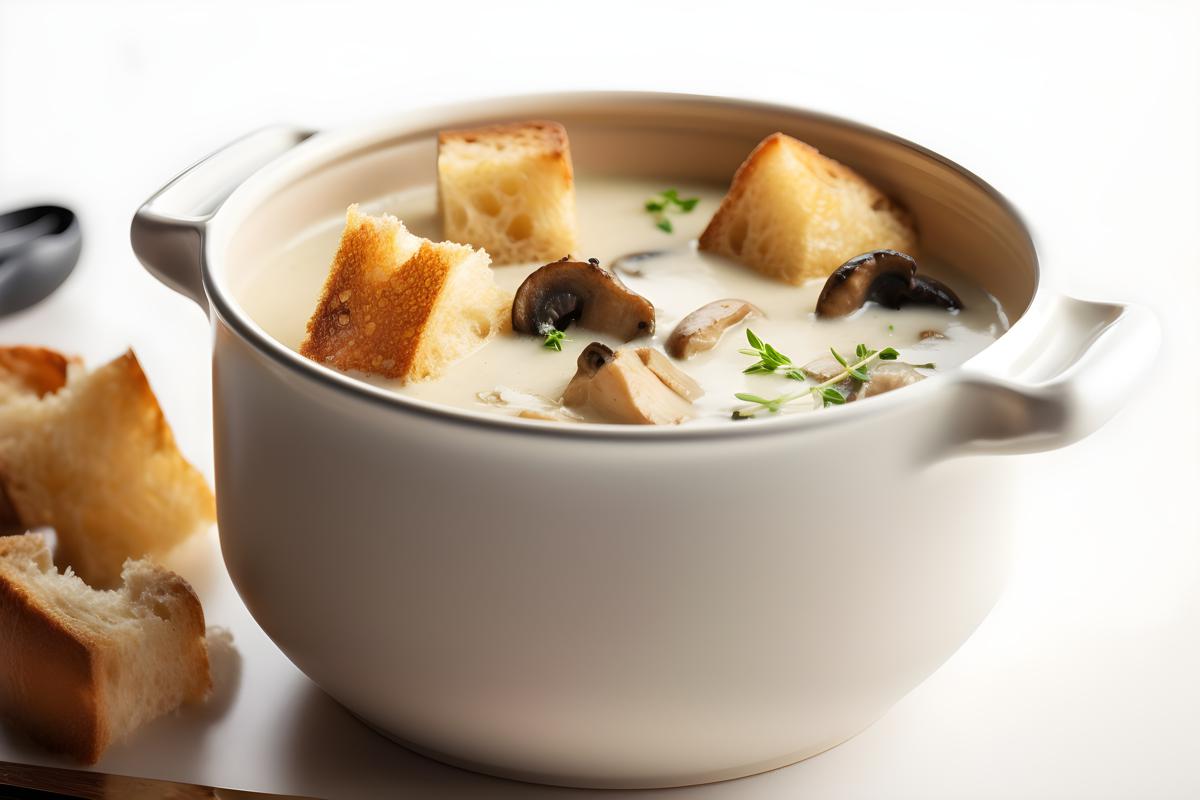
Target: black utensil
(39, 247)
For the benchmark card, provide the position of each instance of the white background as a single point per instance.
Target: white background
(1084, 682)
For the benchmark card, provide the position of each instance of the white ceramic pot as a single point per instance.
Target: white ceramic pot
(619, 606)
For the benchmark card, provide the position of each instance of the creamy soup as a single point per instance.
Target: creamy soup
(514, 372)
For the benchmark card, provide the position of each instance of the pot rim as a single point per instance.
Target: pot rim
(327, 146)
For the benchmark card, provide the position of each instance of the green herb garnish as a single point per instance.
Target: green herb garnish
(554, 338)
(770, 361)
(773, 362)
(669, 201)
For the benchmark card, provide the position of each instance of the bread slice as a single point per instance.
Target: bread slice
(509, 189)
(400, 306)
(96, 461)
(83, 668)
(793, 214)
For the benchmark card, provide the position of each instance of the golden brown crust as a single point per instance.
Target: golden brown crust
(35, 369)
(552, 136)
(48, 681)
(372, 311)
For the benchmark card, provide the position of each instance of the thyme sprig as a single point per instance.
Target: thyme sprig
(666, 201)
(824, 393)
(770, 361)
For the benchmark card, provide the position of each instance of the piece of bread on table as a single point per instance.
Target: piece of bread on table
(509, 189)
(82, 668)
(793, 214)
(96, 460)
(400, 306)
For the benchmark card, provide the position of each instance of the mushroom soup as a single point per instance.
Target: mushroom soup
(943, 320)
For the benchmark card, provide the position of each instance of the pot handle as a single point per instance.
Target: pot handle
(167, 232)
(1056, 383)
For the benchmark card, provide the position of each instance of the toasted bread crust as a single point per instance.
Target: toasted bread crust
(33, 369)
(552, 136)
(61, 683)
(48, 681)
(372, 318)
(721, 234)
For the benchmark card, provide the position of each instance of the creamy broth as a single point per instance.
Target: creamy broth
(513, 372)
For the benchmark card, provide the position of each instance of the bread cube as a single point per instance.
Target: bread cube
(400, 306)
(509, 189)
(794, 215)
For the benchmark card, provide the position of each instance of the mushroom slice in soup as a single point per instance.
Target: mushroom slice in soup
(562, 292)
(703, 328)
(891, 375)
(628, 386)
(634, 263)
(827, 368)
(886, 277)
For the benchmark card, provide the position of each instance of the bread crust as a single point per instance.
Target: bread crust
(721, 234)
(553, 136)
(54, 672)
(371, 317)
(35, 370)
(48, 678)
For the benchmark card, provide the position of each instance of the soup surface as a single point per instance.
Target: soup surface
(514, 372)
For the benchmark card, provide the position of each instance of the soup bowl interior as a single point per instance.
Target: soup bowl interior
(961, 220)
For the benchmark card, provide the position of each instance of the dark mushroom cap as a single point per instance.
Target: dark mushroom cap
(932, 292)
(883, 276)
(563, 292)
(593, 357)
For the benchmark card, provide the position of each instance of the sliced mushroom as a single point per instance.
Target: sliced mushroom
(887, 277)
(633, 263)
(929, 291)
(882, 275)
(623, 387)
(825, 369)
(891, 375)
(563, 292)
(676, 379)
(702, 329)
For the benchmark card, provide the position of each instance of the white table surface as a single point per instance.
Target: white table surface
(1084, 680)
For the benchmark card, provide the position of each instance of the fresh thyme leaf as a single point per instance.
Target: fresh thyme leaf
(889, 354)
(554, 338)
(840, 358)
(929, 365)
(668, 201)
(795, 374)
(891, 328)
(832, 397)
(859, 375)
(755, 342)
(861, 351)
